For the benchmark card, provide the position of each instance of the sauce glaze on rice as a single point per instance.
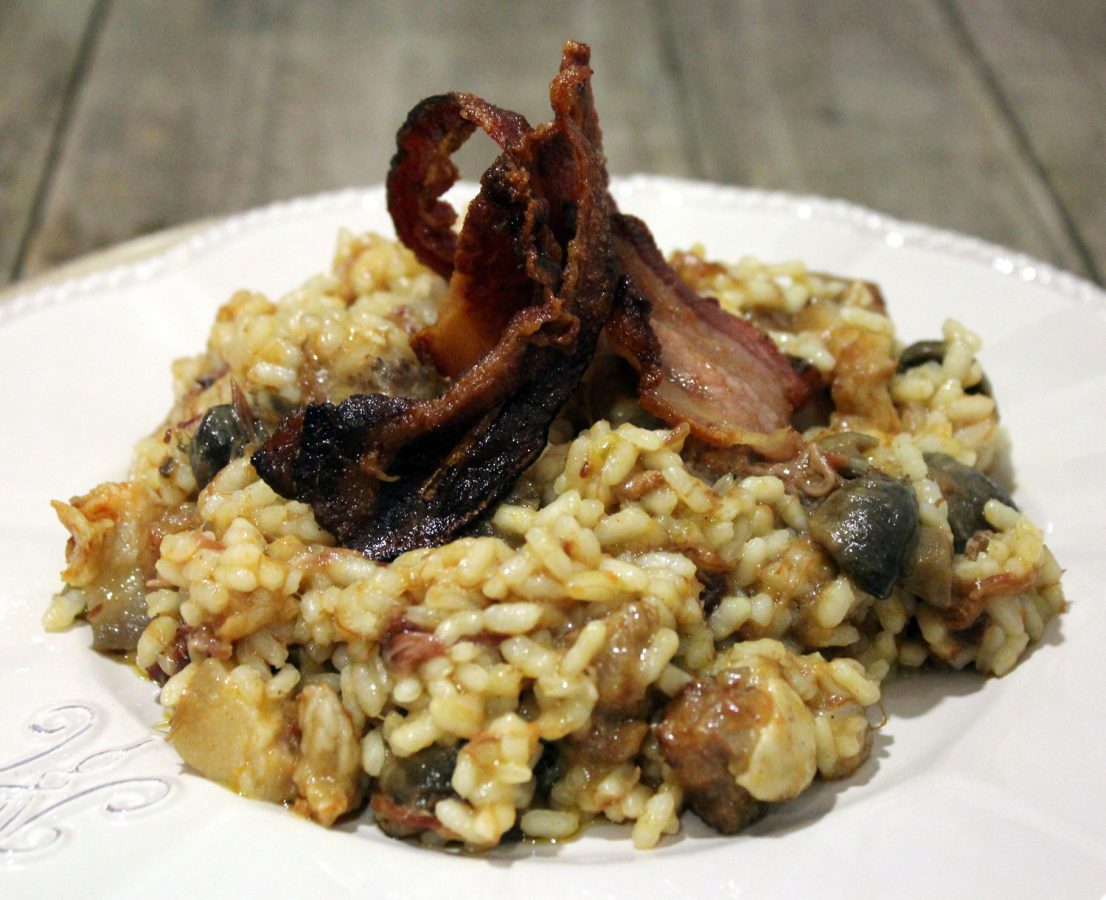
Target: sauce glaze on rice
(536, 675)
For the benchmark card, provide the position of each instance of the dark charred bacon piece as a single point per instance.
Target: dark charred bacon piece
(387, 474)
(699, 364)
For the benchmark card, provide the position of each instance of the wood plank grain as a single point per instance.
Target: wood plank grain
(39, 47)
(881, 104)
(198, 107)
(1049, 62)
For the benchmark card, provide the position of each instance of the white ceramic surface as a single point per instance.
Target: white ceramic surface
(975, 787)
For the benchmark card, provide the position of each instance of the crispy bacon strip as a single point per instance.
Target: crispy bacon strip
(422, 169)
(699, 364)
(535, 276)
(387, 474)
(489, 281)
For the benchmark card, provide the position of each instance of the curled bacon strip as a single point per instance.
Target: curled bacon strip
(422, 171)
(697, 363)
(492, 268)
(387, 474)
(542, 264)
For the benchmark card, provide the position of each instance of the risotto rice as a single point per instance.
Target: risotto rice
(636, 610)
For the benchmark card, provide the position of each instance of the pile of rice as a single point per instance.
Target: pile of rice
(517, 664)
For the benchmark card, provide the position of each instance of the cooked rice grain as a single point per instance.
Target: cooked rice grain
(520, 650)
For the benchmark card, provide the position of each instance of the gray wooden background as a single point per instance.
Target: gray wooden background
(123, 117)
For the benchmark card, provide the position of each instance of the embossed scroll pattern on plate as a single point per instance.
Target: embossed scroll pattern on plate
(45, 790)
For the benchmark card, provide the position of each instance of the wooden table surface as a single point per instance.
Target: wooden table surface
(120, 118)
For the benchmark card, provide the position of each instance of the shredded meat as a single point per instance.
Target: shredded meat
(406, 647)
(175, 656)
(811, 473)
(617, 725)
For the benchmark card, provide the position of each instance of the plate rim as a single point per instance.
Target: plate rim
(897, 233)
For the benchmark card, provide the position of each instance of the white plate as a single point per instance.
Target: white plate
(975, 787)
